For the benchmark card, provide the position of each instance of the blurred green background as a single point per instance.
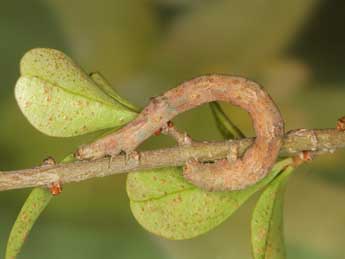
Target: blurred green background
(295, 48)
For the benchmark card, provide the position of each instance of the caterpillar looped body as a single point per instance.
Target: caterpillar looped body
(221, 175)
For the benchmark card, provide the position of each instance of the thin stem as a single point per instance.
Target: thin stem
(294, 142)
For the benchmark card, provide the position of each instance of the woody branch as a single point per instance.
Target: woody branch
(318, 141)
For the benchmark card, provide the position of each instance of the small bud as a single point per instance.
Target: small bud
(341, 124)
(49, 161)
(306, 155)
(55, 188)
(158, 132)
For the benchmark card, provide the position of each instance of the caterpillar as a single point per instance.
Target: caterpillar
(224, 174)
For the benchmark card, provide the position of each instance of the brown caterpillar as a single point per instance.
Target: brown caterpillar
(222, 174)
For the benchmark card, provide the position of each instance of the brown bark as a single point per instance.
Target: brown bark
(318, 141)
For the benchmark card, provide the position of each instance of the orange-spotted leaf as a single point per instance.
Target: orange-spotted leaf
(164, 203)
(60, 99)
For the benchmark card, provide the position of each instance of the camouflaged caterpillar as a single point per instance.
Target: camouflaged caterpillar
(222, 175)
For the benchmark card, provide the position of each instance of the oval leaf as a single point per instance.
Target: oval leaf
(59, 99)
(164, 203)
(267, 220)
(58, 69)
(225, 126)
(39, 198)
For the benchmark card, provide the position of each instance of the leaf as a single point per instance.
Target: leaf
(225, 126)
(31, 210)
(102, 83)
(267, 220)
(34, 205)
(164, 203)
(39, 198)
(60, 99)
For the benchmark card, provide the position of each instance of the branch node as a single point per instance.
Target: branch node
(302, 157)
(132, 158)
(55, 188)
(341, 124)
(49, 161)
(181, 138)
(233, 153)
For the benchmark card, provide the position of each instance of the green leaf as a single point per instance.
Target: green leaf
(34, 205)
(61, 88)
(267, 220)
(165, 204)
(60, 99)
(102, 83)
(31, 210)
(225, 126)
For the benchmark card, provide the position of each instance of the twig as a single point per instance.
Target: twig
(294, 142)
